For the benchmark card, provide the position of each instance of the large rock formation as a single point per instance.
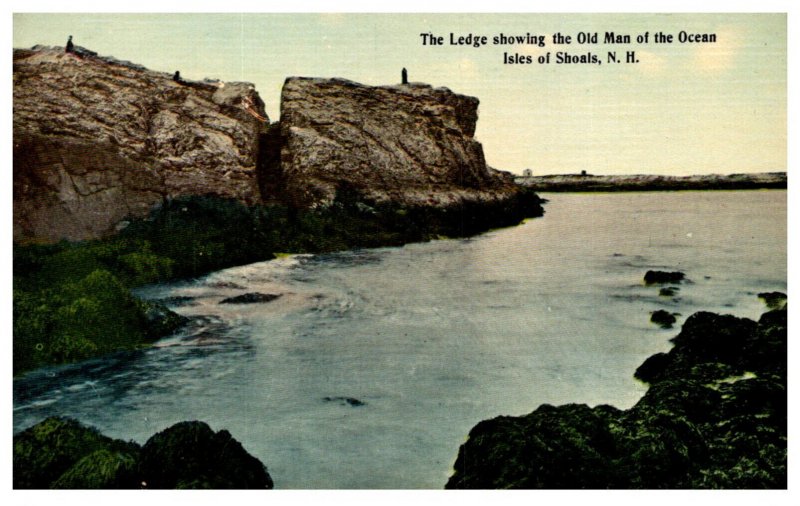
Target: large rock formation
(98, 140)
(410, 144)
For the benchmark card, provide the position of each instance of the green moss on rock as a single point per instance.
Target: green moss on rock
(714, 417)
(62, 453)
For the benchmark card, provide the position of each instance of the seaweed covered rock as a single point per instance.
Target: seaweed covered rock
(101, 469)
(553, 447)
(63, 453)
(60, 452)
(715, 416)
(191, 455)
(160, 320)
(773, 300)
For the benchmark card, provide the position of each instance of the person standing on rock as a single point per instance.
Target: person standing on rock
(70, 48)
(405, 76)
(177, 76)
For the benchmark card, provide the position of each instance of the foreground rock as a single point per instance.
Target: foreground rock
(62, 453)
(714, 417)
(191, 455)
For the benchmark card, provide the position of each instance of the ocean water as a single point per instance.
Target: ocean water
(373, 365)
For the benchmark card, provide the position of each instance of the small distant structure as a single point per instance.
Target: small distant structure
(177, 77)
(583, 173)
(404, 75)
(527, 173)
(69, 48)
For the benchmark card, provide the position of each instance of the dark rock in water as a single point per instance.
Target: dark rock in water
(62, 453)
(662, 318)
(659, 277)
(251, 298)
(345, 401)
(773, 300)
(225, 284)
(191, 455)
(668, 291)
(160, 321)
(714, 416)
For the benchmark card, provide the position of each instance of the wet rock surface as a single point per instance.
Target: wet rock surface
(714, 416)
(663, 319)
(62, 453)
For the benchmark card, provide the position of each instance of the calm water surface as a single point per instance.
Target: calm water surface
(431, 338)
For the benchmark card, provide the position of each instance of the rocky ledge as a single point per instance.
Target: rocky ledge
(97, 141)
(100, 142)
(714, 416)
(410, 144)
(62, 453)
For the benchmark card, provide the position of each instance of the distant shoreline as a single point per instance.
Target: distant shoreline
(641, 182)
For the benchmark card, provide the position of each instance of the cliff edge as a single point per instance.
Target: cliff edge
(98, 141)
(410, 144)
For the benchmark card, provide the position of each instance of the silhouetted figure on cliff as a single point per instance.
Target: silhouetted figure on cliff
(70, 48)
(177, 77)
(405, 76)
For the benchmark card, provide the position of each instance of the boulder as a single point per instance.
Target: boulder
(191, 455)
(160, 321)
(663, 319)
(62, 453)
(773, 300)
(659, 277)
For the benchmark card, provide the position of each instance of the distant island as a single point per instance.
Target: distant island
(640, 182)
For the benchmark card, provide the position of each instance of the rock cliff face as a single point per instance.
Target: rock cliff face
(98, 140)
(411, 144)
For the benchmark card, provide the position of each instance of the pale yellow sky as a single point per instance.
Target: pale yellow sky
(683, 109)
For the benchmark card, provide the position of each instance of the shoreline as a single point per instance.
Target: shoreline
(714, 417)
(648, 182)
(69, 297)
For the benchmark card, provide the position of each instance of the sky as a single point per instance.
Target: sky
(684, 108)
